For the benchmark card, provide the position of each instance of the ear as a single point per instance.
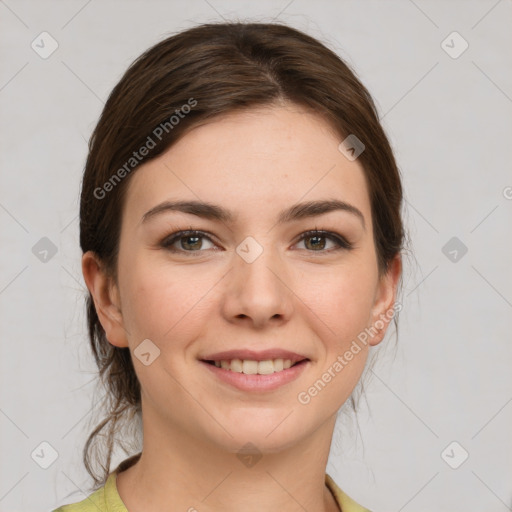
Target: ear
(385, 296)
(105, 294)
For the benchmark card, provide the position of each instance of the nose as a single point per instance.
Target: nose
(258, 292)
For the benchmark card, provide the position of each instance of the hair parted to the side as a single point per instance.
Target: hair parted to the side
(218, 68)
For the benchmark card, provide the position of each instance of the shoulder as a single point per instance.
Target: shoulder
(93, 503)
(106, 498)
(98, 501)
(345, 502)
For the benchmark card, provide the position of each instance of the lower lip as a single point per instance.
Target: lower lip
(258, 382)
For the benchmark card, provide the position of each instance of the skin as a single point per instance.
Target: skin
(314, 301)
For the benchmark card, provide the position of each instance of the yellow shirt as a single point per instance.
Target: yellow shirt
(107, 499)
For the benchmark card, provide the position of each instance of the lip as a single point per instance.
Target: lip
(258, 382)
(264, 355)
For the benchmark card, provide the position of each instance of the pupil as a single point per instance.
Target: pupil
(196, 238)
(317, 238)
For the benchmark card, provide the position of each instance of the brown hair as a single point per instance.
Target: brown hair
(214, 69)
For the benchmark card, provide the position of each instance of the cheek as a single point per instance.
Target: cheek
(342, 298)
(339, 312)
(161, 303)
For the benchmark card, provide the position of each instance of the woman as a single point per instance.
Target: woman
(241, 230)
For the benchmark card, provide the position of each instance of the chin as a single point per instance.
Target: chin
(267, 436)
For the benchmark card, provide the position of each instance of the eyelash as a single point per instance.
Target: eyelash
(342, 243)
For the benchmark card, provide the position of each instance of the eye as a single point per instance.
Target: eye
(318, 243)
(187, 241)
(190, 241)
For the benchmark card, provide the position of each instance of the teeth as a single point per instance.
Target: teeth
(255, 367)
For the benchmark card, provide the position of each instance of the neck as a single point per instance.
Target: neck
(192, 474)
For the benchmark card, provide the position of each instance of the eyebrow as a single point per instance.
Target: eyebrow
(215, 212)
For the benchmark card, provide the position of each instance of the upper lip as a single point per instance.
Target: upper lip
(264, 355)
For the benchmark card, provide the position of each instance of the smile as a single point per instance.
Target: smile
(250, 367)
(246, 375)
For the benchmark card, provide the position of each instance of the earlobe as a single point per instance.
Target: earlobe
(105, 295)
(385, 297)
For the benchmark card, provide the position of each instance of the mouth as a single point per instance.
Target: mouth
(256, 376)
(253, 367)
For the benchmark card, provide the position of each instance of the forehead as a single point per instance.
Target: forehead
(253, 162)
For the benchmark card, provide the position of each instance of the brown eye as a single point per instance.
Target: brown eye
(315, 241)
(186, 241)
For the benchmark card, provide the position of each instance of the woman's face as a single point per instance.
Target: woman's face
(249, 282)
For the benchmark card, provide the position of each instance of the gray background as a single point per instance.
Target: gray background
(449, 121)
